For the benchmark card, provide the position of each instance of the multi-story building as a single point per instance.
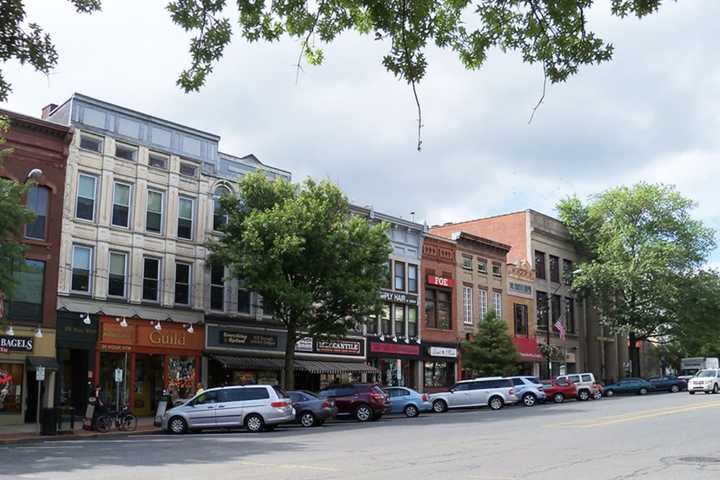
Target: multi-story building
(520, 305)
(27, 344)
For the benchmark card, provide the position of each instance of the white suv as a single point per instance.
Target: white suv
(493, 392)
(585, 383)
(707, 381)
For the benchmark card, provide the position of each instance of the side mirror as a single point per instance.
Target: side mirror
(452, 390)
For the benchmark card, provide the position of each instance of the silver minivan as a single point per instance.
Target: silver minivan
(255, 407)
(493, 392)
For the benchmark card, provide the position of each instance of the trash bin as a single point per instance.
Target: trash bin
(49, 421)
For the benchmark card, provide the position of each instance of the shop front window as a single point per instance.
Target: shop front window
(439, 374)
(181, 375)
(11, 380)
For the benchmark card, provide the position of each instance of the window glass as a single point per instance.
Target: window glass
(467, 306)
(412, 321)
(185, 218)
(188, 169)
(399, 276)
(153, 219)
(542, 308)
(497, 269)
(482, 265)
(220, 218)
(462, 387)
(243, 301)
(207, 397)
(182, 283)
(121, 205)
(88, 142)
(217, 287)
(151, 279)
(443, 310)
(126, 152)
(116, 281)
(37, 202)
(540, 264)
(483, 303)
(555, 307)
(400, 320)
(85, 202)
(11, 388)
(439, 373)
(587, 378)
(567, 272)
(570, 314)
(26, 302)
(279, 392)
(517, 381)
(554, 269)
(520, 313)
(245, 394)
(386, 324)
(467, 262)
(82, 257)
(430, 308)
(412, 278)
(157, 160)
(498, 304)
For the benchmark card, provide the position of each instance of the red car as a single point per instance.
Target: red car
(362, 401)
(558, 391)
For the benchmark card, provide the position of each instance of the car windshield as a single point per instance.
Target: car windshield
(280, 392)
(533, 380)
(310, 394)
(707, 373)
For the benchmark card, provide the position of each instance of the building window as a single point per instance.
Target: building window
(497, 269)
(540, 264)
(399, 320)
(570, 314)
(188, 169)
(467, 262)
(37, 202)
(12, 390)
(412, 278)
(554, 269)
(438, 309)
(268, 307)
(217, 287)
(121, 205)
(151, 279)
(220, 218)
(185, 218)
(81, 263)
(26, 303)
(412, 321)
(85, 202)
(91, 142)
(567, 272)
(482, 265)
(483, 303)
(467, 306)
(555, 308)
(125, 151)
(385, 323)
(154, 213)
(497, 296)
(439, 374)
(158, 160)
(542, 310)
(520, 313)
(243, 305)
(389, 280)
(399, 276)
(116, 278)
(372, 325)
(182, 283)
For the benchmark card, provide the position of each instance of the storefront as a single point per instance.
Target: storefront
(440, 366)
(530, 356)
(75, 343)
(20, 356)
(398, 362)
(242, 355)
(136, 361)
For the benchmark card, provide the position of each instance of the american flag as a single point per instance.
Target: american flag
(560, 328)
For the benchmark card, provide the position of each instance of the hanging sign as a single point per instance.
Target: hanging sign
(40, 374)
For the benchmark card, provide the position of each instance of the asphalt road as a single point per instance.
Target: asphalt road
(661, 436)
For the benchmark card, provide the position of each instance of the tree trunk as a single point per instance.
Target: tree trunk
(290, 357)
(634, 354)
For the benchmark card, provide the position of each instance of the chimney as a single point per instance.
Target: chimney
(47, 109)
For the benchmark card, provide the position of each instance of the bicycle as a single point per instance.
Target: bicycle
(122, 420)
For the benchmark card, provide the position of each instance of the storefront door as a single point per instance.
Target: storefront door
(148, 383)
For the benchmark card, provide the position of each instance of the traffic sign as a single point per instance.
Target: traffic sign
(40, 374)
(118, 375)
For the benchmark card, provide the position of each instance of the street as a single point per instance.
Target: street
(661, 436)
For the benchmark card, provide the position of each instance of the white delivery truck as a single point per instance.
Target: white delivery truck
(690, 366)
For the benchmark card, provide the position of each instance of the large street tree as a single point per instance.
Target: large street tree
(299, 247)
(491, 351)
(642, 254)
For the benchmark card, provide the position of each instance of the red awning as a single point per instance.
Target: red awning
(528, 349)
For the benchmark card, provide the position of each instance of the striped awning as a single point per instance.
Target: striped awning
(309, 366)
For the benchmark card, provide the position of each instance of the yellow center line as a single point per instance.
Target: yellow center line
(601, 422)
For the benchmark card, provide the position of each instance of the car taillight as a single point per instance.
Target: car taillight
(377, 396)
(425, 397)
(281, 404)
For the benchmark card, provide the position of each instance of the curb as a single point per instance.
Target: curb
(70, 437)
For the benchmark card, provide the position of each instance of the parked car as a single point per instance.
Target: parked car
(559, 390)
(668, 383)
(638, 386)
(408, 401)
(528, 389)
(707, 381)
(311, 410)
(494, 392)
(583, 381)
(255, 407)
(362, 401)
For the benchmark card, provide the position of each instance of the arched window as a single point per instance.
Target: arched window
(220, 218)
(37, 202)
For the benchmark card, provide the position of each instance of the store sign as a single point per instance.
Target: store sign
(445, 352)
(238, 338)
(304, 345)
(396, 297)
(395, 349)
(519, 288)
(16, 344)
(248, 339)
(339, 347)
(440, 281)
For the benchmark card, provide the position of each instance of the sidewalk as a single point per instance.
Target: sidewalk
(29, 432)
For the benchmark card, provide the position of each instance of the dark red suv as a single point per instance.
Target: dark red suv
(364, 401)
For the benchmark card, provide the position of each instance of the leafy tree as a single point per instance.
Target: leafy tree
(491, 352)
(642, 248)
(298, 246)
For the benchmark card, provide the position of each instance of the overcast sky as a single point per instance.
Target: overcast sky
(651, 114)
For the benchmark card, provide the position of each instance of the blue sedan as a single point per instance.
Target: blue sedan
(408, 401)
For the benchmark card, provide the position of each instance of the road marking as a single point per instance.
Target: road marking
(605, 421)
(287, 466)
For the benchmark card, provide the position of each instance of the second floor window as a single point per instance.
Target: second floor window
(121, 205)
(151, 279)
(467, 306)
(399, 276)
(37, 202)
(217, 287)
(182, 283)
(520, 312)
(570, 314)
(116, 278)
(81, 263)
(498, 304)
(438, 309)
(540, 264)
(385, 322)
(85, 202)
(185, 218)
(483, 303)
(412, 321)
(154, 214)
(91, 142)
(400, 320)
(554, 269)
(542, 310)
(125, 151)
(412, 278)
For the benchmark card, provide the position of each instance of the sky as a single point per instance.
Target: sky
(651, 114)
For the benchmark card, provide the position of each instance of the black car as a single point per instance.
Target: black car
(668, 383)
(311, 410)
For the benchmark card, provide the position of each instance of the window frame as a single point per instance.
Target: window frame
(415, 268)
(216, 199)
(165, 158)
(192, 217)
(396, 309)
(21, 314)
(483, 303)
(482, 266)
(134, 149)
(498, 304)
(241, 288)
(524, 324)
(467, 305)
(162, 210)
(91, 251)
(188, 285)
(94, 199)
(498, 266)
(184, 163)
(129, 205)
(542, 310)
(217, 286)
(570, 315)
(402, 265)
(100, 139)
(567, 272)
(386, 319)
(540, 273)
(45, 216)
(125, 273)
(415, 332)
(467, 262)
(158, 294)
(554, 272)
(432, 299)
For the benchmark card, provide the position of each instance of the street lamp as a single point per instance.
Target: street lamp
(35, 174)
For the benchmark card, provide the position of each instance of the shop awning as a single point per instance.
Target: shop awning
(50, 363)
(528, 349)
(333, 367)
(129, 311)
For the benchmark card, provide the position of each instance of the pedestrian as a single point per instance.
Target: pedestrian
(200, 389)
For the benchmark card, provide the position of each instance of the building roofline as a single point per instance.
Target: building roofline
(268, 167)
(15, 117)
(450, 224)
(461, 235)
(440, 238)
(371, 212)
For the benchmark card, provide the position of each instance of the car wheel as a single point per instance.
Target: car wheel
(496, 403)
(177, 425)
(254, 423)
(529, 400)
(307, 419)
(609, 393)
(715, 388)
(583, 395)
(363, 413)
(411, 411)
(558, 398)
(103, 424)
(674, 389)
(439, 406)
(643, 391)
